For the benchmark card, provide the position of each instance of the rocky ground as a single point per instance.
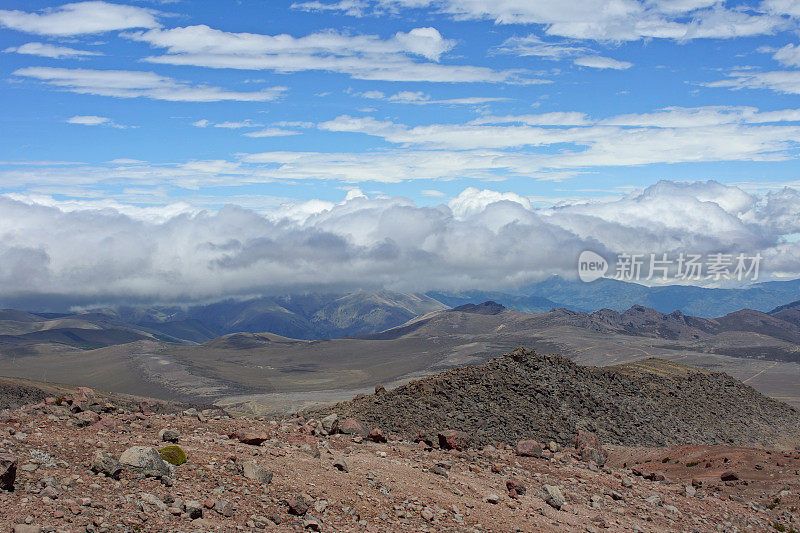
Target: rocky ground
(80, 463)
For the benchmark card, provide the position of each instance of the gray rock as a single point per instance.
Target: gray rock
(105, 464)
(145, 459)
(224, 507)
(169, 435)
(194, 509)
(331, 424)
(256, 472)
(551, 494)
(340, 465)
(25, 528)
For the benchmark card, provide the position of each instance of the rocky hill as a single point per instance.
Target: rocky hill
(525, 395)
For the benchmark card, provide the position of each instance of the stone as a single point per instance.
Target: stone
(330, 424)
(340, 465)
(194, 509)
(145, 459)
(552, 496)
(589, 448)
(454, 440)
(528, 448)
(689, 490)
(25, 528)
(515, 487)
(49, 492)
(169, 435)
(312, 524)
(173, 454)
(86, 418)
(223, 507)
(298, 504)
(351, 426)
(376, 436)
(8, 471)
(380, 389)
(729, 476)
(256, 472)
(254, 438)
(492, 498)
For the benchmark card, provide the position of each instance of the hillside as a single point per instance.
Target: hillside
(525, 395)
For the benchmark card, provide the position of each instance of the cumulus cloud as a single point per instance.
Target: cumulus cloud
(140, 84)
(93, 253)
(79, 18)
(367, 57)
(50, 50)
(421, 98)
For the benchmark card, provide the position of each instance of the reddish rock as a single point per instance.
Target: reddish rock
(86, 418)
(351, 426)
(586, 438)
(380, 389)
(252, 437)
(729, 476)
(454, 440)
(528, 448)
(515, 487)
(376, 436)
(298, 505)
(589, 448)
(8, 471)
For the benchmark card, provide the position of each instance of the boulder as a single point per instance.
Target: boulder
(351, 426)
(146, 460)
(515, 487)
(380, 389)
(376, 436)
(454, 440)
(551, 494)
(330, 424)
(589, 448)
(169, 435)
(173, 454)
(105, 464)
(297, 504)
(86, 418)
(340, 465)
(8, 471)
(528, 448)
(729, 476)
(254, 438)
(256, 472)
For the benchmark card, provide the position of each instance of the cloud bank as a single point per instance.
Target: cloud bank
(79, 254)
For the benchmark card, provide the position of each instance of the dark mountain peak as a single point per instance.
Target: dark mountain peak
(486, 308)
(788, 307)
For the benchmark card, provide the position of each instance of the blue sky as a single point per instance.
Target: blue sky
(156, 109)
(528, 68)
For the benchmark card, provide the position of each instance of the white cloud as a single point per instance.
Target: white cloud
(600, 20)
(788, 55)
(421, 98)
(50, 50)
(140, 84)
(97, 251)
(533, 45)
(782, 81)
(601, 62)
(79, 18)
(360, 56)
(271, 132)
(202, 123)
(93, 120)
(433, 193)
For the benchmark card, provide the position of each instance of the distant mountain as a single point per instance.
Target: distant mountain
(24, 333)
(306, 316)
(619, 295)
